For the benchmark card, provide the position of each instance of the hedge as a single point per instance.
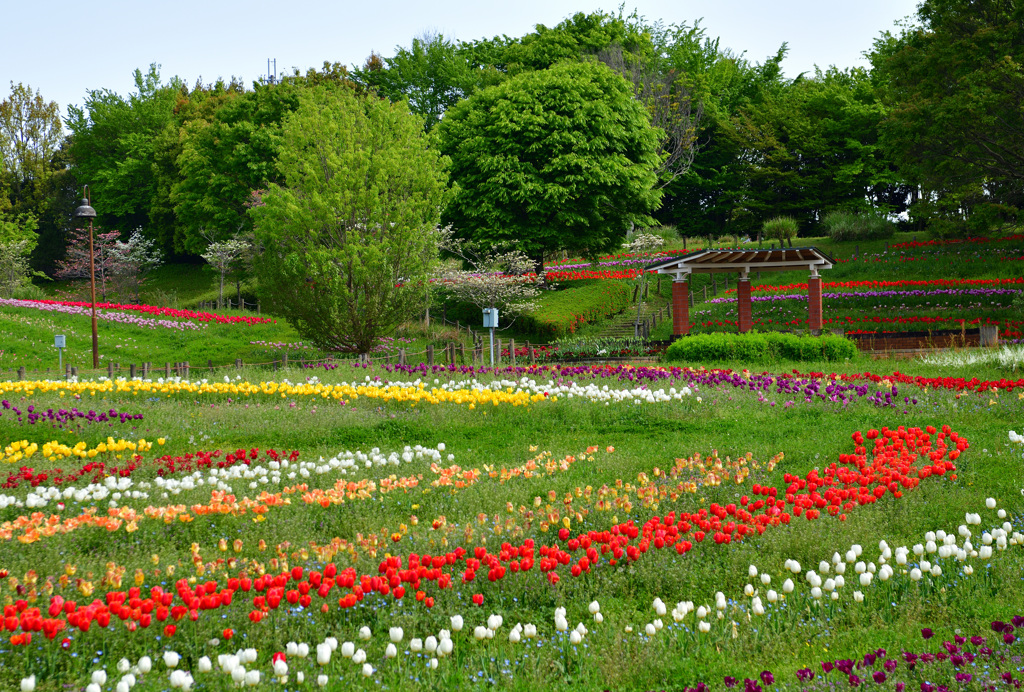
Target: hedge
(759, 347)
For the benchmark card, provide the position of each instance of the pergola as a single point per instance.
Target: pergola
(742, 262)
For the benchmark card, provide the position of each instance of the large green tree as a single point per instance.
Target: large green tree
(349, 237)
(562, 158)
(113, 149)
(955, 80)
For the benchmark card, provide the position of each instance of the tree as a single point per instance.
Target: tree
(563, 158)
(955, 82)
(349, 239)
(492, 277)
(433, 74)
(75, 264)
(133, 259)
(114, 150)
(30, 134)
(223, 255)
(17, 240)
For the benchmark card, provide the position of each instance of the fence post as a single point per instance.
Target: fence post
(285, 361)
(714, 284)
(187, 366)
(401, 356)
(110, 368)
(21, 372)
(167, 371)
(462, 352)
(131, 371)
(705, 293)
(497, 356)
(512, 352)
(74, 371)
(238, 363)
(529, 351)
(430, 355)
(145, 370)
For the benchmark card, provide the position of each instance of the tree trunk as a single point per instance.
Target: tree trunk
(220, 298)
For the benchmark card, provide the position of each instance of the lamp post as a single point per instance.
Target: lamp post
(84, 211)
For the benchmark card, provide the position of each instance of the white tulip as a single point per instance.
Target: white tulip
(594, 607)
(432, 664)
(598, 618)
(575, 638)
(936, 571)
(748, 590)
(291, 648)
(457, 623)
(391, 651)
(93, 687)
(773, 597)
(323, 653)
(858, 596)
(445, 647)
(480, 633)
(787, 586)
(704, 626)
(395, 634)
(530, 631)
(124, 665)
(122, 686)
(99, 677)
(171, 659)
(860, 567)
(280, 668)
(1001, 514)
(823, 567)
(766, 578)
(28, 684)
(332, 642)
(494, 622)
(752, 571)
(815, 592)
(364, 633)
(368, 669)
(205, 664)
(250, 655)
(659, 606)
(841, 568)
(300, 677)
(561, 624)
(968, 570)
(990, 503)
(757, 607)
(252, 678)
(840, 581)
(702, 612)
(347, 649)
(915, 574)
(513, 637)
(359, 657)
(238, 675)
(865, 579)
(321, 680)
(430, 644)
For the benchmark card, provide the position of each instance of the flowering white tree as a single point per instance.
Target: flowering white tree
(642, 244)
(132, 260)
(496, 277)
(222, 256)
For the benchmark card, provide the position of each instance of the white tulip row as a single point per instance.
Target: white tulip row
(115, 490)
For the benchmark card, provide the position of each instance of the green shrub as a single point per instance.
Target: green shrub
(759, 347)
(781, 228)
(849, 225)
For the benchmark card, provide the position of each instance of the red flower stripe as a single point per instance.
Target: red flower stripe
(162, 311)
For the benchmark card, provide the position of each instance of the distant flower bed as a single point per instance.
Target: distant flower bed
(110, 316)
(157, 310)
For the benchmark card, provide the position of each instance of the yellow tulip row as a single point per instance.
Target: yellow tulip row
(340, 392)
(53, 451)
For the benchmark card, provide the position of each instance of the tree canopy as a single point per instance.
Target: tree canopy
(350, 235)
(562, 158)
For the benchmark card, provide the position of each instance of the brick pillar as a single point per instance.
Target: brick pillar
(680, 307)
(746, 320)
(814, 303)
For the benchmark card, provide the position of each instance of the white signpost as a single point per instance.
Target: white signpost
(491, 322)
(60, 342)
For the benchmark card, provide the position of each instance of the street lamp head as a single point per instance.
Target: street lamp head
(84, 211)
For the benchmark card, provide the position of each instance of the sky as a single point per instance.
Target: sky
(64, 49)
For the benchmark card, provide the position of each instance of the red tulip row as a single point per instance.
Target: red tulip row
(893, 462)
(164, 312)
(577, 275)
(95, 471)
(946, 283)
(954, 241)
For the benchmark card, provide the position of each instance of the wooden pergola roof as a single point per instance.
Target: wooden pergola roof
(744, 261)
